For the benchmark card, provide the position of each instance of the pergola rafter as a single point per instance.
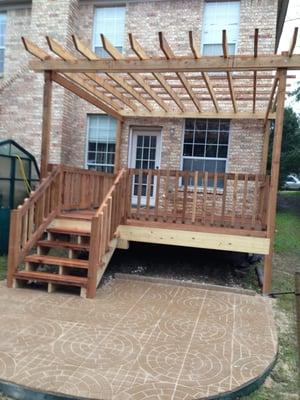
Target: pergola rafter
(235, 87)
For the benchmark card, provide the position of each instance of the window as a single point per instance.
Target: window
(2, 40)
(218, 16)
(101, 143)
(205, 146)
(111, 22)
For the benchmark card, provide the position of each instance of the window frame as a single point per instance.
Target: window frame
(209, 188)
(87, 163)
(203, 43)
(3, 47)
(95, 43)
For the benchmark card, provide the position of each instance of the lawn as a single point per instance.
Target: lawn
(282, 383)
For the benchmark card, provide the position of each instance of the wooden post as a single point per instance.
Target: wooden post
(14, 245)
(46, 124)
(118, 146)
(264, 160)
(271, 219)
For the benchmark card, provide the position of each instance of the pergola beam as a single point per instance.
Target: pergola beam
(141, 53)
(117, 56)
(56, 48)
(185, 64)
(85, 95)
(166, 49)
(90, 55)
(205, 76)
(293, 42)
(107, 106)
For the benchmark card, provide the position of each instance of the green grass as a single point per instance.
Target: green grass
(283, 382)
(3, 263)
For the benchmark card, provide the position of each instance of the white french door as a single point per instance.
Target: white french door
(145, 154)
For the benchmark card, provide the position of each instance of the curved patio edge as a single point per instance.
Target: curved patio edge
(19, 392)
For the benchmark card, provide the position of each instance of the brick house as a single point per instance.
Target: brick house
(76, 125)
(189, 88)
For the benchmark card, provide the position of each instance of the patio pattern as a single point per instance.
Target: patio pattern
(136, 340)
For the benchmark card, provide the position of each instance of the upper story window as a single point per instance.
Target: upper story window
(101, 142)
(2, 40)
(205, 146)
(220, 15)
(111, 22)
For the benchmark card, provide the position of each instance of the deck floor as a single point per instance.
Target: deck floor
(137, 340)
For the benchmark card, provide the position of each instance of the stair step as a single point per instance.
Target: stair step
(51, 278)
(62, 244)
(81, 215)
(60, 261)
(67, 231)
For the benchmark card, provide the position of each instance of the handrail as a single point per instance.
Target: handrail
(106, 220)
(227, 200)
(30, 219)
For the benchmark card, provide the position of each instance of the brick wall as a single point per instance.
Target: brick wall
(21, 98)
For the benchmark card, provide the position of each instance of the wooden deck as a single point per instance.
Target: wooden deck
(87, 215)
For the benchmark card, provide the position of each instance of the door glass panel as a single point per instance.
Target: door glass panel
(145, 158)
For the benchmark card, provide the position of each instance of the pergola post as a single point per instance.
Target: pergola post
(282, 74)
(46, 124)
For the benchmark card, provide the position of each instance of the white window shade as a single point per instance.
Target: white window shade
(109, 21)
(2, 40)
(217, 17)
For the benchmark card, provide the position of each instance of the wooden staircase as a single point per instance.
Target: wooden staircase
(55, 241)
(61, 257)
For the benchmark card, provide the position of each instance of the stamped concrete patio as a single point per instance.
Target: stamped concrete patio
(137, 340)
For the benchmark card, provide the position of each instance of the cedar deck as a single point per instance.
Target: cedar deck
(235, 211)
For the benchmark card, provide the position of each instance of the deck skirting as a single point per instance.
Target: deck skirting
(204, 240)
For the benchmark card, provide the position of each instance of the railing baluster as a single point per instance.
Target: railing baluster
(166, 199)
(213, 208)
(224, 198)
(205, 181)
(148, 193)
(157, 195)
(255, 203)
(140, 188)
(233, 214)
(186, 175)
(175, 205)
(195, 196)
(244, 204)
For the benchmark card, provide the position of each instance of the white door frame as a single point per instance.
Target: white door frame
(152, 131)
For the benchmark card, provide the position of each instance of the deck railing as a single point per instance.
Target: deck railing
(233, 200)
(64, 188)
(30, 219)
(108, 217)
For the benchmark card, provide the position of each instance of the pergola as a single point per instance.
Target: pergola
(251, 86)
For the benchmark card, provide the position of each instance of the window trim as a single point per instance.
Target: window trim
(86, 163)
(4, 46)
(209, 188)
(108, 5)
(220, 43)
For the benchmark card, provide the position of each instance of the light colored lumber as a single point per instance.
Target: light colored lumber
(140, 52)
(205, 76)
(272, 203)
(293, 42)
(71, 225)
(85, 95)
(268, 62)
(168, 52)
(59, 50)
(194, 239)
(90, 55)
(116, 55)
(228, 73)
